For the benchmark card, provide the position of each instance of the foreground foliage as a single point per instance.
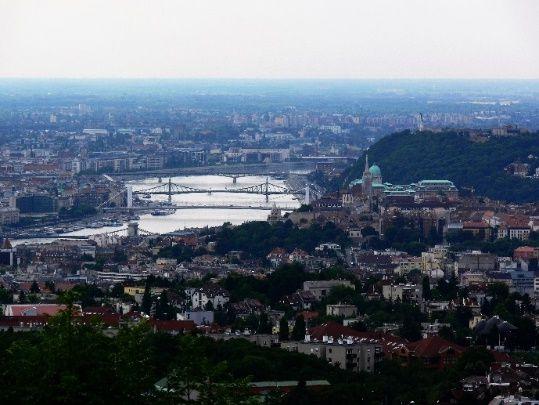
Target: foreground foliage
(73, 363)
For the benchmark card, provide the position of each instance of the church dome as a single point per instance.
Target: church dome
(375, 170)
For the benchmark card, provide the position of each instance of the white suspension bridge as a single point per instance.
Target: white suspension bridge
(170, 188)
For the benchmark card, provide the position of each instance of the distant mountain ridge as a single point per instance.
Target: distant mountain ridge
(406, 157)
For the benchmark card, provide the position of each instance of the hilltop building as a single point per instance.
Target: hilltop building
(371, 188)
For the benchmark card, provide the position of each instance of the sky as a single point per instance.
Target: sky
(349, 39)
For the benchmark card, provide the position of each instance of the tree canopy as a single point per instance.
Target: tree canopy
(406, 157)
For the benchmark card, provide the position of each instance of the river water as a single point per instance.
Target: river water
(199, 217)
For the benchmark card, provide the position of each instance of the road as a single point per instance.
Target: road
(251, 168)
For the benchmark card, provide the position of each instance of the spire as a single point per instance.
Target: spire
(366, 163)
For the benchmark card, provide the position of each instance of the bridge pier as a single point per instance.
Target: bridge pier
(132, 229)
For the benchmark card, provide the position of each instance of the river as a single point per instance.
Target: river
(199, 217)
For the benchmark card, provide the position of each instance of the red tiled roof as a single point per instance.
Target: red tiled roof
(41, 309)
(333, 329)
(433, 346)
(299, 252)
(26, 286)
(23, 320)
(516, 221)
(112, 320)
(278, 252)
(388, 341)
(500, 357)
(475, 225)
(307, 315)
(97, 310)
(64, 286)
(172, 325)
(525, 249)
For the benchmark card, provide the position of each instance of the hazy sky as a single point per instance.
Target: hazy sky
(270, 39)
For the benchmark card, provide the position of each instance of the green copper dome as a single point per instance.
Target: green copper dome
(375, 170)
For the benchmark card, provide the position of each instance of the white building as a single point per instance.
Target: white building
(403, 292)
(200, 297)
(341, 310)
(321, 288)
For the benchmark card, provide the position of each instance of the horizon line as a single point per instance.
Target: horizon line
(269, 78)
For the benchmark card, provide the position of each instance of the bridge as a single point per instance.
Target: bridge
(131, 230)
(187, 206)
(250, 169)
(233, 176)
(169, 189)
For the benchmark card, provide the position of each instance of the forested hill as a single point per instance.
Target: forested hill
(407, 157)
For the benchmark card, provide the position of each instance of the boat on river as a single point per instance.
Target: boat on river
(160, 213)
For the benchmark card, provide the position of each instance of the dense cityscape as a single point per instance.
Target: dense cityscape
(295, 202)
(329, 280)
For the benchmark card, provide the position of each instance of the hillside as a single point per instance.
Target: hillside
(406, 157)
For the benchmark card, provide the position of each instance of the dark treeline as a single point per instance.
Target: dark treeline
(72, 363)
(258, 238)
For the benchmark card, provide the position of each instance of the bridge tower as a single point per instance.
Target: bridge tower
(267, 189)
(307, 194)
(129, 198)
(170, 190)
(132, 229)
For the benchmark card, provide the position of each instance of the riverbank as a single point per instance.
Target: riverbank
(189, 217)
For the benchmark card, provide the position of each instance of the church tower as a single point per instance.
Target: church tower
(367, 179)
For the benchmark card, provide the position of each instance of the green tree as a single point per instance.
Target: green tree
(5, 296)
(426, 288)
(298, 332)
(147, 300)
(368, 231)
(264, 325)
(196, 381)
(283, 329)
(406, 157)
(410, 328)
(22, 297)
(34, 288)
(474, 361)
(163, 309)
